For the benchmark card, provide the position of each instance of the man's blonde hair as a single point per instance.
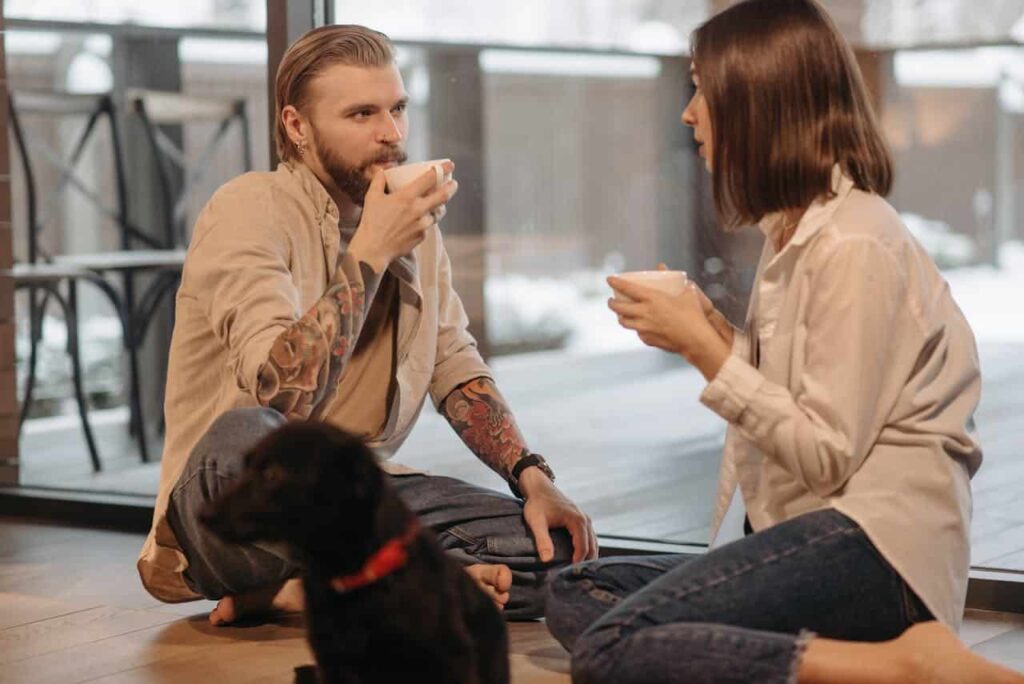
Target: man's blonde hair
(310, 55)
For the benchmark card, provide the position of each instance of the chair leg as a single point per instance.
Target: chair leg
(71, 318)
(34, 334)
(135, 422)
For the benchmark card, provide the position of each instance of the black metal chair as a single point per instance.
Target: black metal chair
(178, 178)
(48, 279)
(97, 267)
(160, 108)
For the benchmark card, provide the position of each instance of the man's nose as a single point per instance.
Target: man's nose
(389, 133)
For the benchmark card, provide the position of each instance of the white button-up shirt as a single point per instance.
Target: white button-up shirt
(853, 387)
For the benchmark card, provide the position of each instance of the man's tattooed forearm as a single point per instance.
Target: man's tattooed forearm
(306, 360)
(482, 419)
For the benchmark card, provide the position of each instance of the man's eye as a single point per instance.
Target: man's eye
(362, 114)
(400, 108)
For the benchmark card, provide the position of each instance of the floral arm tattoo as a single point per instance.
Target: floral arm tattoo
(482, 419)
(306, 360)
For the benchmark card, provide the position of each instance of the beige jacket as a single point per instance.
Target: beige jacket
(262, 253)
(863, 397)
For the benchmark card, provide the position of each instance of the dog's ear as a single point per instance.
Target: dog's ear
(328, 468)
(353, 467)
(303, 477)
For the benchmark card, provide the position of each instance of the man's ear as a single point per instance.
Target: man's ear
(295, 125)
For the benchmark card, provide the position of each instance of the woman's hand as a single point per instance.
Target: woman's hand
(678, 324)
(719, 322)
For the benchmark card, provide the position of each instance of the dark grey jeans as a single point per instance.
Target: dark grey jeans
(473, 524)
(740, 613)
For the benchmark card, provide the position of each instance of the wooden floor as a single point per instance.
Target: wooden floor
(72, 610)
(627, 437)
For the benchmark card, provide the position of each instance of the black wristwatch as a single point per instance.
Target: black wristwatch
(524, 463)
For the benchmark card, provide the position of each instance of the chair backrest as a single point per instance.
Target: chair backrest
(177, 178)
(33, 149)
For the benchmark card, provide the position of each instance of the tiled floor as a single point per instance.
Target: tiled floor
(72, 610)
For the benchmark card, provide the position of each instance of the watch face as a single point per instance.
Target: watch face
(545, 468)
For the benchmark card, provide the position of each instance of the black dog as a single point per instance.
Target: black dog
(383, 601)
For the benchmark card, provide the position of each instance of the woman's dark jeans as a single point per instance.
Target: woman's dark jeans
(741, 613)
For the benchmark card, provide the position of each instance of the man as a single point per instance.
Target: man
(310, 293)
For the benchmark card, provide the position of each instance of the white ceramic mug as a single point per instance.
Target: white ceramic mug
(400, 176)
(669, 282)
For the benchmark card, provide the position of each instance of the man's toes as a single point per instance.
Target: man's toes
(502, 578)
(224, 613)
(499, 577)
(495, 579)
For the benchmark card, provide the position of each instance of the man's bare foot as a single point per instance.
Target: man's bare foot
(936, 656)
(495, 580)
(284, 598)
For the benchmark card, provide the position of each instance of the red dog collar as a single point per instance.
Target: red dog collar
(388, 558)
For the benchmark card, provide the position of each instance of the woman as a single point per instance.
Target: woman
(849, 398)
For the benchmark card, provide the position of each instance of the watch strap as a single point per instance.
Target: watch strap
(521, 465)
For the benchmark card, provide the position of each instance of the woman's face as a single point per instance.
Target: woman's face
(696, 115)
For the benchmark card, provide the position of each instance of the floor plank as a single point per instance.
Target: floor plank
(535, 657)
(73, 629)
(181, 645)
(19, 609)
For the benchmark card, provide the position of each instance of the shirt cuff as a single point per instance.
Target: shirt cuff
(740, 344)
(359, 271)
(457, 371)
(733, 389)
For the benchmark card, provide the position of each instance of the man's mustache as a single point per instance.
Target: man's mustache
(397, 156)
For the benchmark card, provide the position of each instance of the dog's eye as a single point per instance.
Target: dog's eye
(273, 475)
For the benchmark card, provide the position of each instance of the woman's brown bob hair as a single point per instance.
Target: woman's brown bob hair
(310, 55)
(787, 103)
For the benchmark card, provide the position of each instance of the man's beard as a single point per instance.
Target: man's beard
(353, 180)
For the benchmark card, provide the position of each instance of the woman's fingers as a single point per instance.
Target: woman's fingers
(624, 308)
(636, 292)
(655, 340)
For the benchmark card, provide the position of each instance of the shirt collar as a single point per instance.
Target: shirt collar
(326, 211)
(817, 215)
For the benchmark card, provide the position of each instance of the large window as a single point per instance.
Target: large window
(579, 167)
(62, 59)
(563, 121)
(223, 14)
(955, 120)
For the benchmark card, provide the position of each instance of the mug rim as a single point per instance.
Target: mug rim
(655, 273)
(434, 164)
